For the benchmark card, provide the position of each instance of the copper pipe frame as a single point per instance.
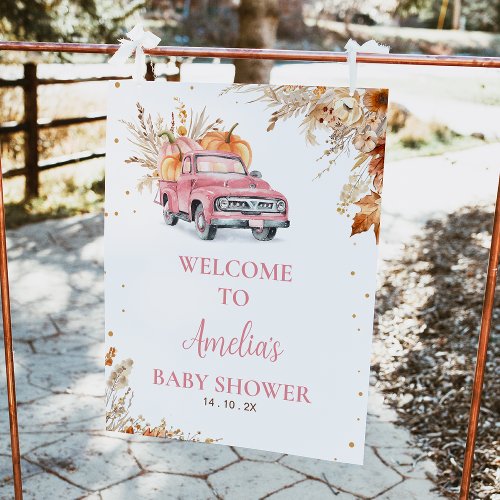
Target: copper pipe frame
(482, 351)
(273, 54)
(278, 55)
(9, 352)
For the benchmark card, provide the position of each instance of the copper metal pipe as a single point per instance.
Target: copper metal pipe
(274, 54)
(9, 353)
(482, 350)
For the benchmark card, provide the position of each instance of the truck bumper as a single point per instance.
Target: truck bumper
(242, 223)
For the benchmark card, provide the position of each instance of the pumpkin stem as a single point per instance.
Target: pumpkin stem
(171, 140)
(228, 137)
(170, 136)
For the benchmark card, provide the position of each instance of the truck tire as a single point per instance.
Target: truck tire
(169, 218)
(205, 231)
(264, 234)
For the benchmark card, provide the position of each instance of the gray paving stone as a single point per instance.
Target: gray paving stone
(29, 327)
(88, 280)
(387, 435)
(89, 324)
(82, 375)
(155, 486)
(20, 245)
(27, 468)
(182, 457)
(90, 462)
(310, 490)
(258, 455)
(61, 412)
(252, 480)
(411, 489)
(31, 285)
(67, 344)
(368, 480)
(25, 392)
(404, 460)
(29, 441)
(378, 410)
(44, 486)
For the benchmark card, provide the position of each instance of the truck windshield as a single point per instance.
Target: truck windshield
(219, 165)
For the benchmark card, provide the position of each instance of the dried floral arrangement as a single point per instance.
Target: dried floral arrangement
(358, 120)
(147, 135)
(119, 397)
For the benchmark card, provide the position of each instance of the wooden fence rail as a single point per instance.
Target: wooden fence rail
(32, 124)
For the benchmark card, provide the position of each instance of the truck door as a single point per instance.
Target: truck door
(184, 184)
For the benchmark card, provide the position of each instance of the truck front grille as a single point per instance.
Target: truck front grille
(251, 205)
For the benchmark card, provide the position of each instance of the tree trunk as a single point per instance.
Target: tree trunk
(291, 23)
(258, 26)
(457, 11)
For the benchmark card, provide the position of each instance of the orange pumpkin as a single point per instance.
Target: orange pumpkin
(171, 154)
(170, 168)
(227, 141)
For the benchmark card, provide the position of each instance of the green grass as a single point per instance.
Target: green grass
(410, 137)
(411, 147)
(62, 194)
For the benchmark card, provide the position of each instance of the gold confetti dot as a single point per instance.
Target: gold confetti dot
(106, 214)
(351, 445)
(127, 192)
(353, 273)
(116, 213)
(123, 286)
(367, 295)
(110, 333)
(117, 84)
(360, 393)
(117, 140)
(354, 315)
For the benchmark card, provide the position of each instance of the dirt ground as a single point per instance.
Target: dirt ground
(429, 312)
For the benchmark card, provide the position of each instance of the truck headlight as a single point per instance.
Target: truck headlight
(223, 203)
(281, 206)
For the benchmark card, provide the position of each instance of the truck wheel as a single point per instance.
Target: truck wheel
(169, 218)
(205, 231)
(264, 234)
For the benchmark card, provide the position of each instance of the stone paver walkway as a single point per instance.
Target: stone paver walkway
(58, 319)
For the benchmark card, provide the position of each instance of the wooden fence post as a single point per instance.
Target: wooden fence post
(150, 71)
(31, 131)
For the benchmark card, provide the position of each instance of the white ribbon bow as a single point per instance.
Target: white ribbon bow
(139, 40)
(352, 47)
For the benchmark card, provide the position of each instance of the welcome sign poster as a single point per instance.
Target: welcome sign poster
(241, 226)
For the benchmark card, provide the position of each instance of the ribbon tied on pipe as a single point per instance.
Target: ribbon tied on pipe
(138, 41)
(352, 47)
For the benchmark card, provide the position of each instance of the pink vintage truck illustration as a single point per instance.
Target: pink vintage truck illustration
(215, 190)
